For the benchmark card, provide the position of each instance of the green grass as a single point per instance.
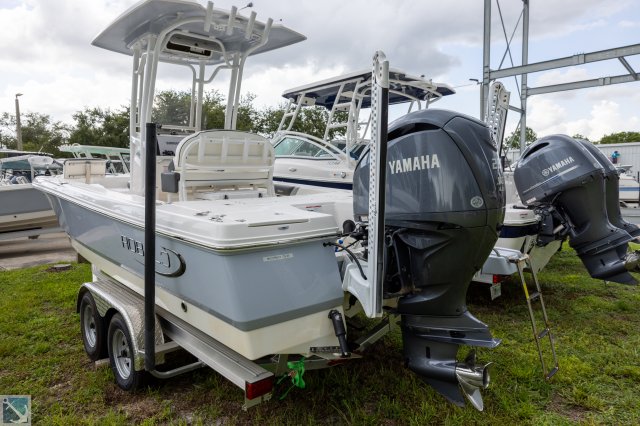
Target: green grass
(596, 327)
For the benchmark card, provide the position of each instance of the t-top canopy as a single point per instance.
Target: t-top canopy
(196, 39)
(402, 87)
(92, 149)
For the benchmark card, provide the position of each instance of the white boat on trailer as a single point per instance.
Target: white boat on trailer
(245, 280)
(304, 159)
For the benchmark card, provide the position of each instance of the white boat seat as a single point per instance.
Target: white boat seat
(223, 160)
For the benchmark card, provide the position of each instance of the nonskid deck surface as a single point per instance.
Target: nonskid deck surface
(222, 223)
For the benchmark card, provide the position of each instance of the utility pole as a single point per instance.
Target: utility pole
(18, 127)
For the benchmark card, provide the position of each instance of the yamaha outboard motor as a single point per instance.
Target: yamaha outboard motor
(444, 206)
(561, 172)
(612, 190)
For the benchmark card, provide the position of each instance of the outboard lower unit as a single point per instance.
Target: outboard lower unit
(562, 173)
(444, 206)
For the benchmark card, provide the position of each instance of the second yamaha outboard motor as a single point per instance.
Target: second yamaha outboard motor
(561, 172)
(444, 205)
(612, 190)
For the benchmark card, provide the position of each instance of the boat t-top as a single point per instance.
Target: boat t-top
(329, 161)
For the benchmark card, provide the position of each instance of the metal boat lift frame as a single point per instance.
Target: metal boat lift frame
(525, 68)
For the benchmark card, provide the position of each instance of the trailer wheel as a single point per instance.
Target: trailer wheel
(121, 355)
(92, 328)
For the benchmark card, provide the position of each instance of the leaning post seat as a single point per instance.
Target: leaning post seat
(217, 160)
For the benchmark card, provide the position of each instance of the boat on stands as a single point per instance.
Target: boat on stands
(195, 250)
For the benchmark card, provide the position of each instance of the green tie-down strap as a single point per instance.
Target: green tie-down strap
(296, 371)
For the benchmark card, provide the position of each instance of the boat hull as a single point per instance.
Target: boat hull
(256, 301)
(629, 192)
(23, 208)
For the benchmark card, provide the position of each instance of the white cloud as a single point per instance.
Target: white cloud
(47, 53)
(544, 115)
(270, 83)
(553, 18)
(60, 94)
(628, 24)
(547, 117)
(560, 76)
(607, 117)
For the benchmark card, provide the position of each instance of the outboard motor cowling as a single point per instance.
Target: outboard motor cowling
(612, 190)
(444, 206)
(560, 171)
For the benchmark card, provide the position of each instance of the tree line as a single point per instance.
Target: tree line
(110, 127)
(513, 140)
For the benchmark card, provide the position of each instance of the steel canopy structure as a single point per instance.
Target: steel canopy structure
(525, 68)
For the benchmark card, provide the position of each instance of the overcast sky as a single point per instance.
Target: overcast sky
(48, 57)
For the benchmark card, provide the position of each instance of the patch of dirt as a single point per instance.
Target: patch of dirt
(138, 409)
(61, 388)
(572, 412)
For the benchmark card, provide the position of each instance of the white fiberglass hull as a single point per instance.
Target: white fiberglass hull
(24, 208)
(256, 295)
(322, 173)
(629, 190)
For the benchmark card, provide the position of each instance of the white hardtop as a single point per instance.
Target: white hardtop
(403, 87)
(89, 150)
(205, 40)
(192, 39)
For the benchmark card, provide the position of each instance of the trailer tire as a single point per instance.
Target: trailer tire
(121, 356)
(92, 328)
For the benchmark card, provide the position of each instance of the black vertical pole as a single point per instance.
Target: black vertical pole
(383, 129)
(150, 248)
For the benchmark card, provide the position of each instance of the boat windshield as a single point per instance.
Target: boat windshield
(355, 151)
